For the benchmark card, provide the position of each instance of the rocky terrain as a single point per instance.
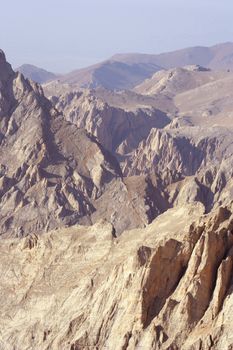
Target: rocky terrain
(168, 286)
(176, 126)
(54, 174)
(116, 216)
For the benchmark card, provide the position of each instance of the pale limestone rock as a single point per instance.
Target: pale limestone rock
(163, 287)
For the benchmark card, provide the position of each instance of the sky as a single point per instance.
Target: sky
(63, 35)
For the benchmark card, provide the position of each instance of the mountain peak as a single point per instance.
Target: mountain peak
(2, 56)
(5, 68)
(37, 74)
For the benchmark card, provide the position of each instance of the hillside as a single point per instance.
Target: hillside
(125, 71)
(39, 75)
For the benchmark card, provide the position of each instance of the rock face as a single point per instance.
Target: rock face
(175, 126)
(118, 129)
(51, 173)
(164, 287)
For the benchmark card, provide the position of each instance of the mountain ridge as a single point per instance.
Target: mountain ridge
(116, 213)
(39, 75)
(214, 57)
(125, 71)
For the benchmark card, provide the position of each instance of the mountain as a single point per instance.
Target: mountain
(117, 128)
(111, 75)
(196, 95)
(116, 213)
(176, 80)
(36, 74)
(125, 71)
(176, 125)
(54, 174)
(167, 286)
(216, 57)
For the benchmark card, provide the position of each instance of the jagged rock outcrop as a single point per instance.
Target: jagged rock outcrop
(194, 164)
(188, 148)
(168, 286)
(52, 173)
(161, 285)
(172, 156)
(133, 202)
(118, 129)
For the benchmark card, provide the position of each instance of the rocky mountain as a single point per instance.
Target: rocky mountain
(39, 75)
(119, 129)
(125, 71)
(55, 174)
(196, 95)
(175, 126)
(177, 80)
(116, 213)
(217, 57)
(168, 286)
(111, 74)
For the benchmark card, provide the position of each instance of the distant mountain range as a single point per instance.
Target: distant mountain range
(125, 71)
(37, 74)
(215, 57)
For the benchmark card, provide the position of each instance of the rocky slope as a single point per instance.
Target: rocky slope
(52, 173)
(168, 286)
(111, 74)
(117, 160)
(177, 80)
(118, 129)
(195, 94)
(161, 129)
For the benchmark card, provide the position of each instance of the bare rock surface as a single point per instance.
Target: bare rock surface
(118, 129)
(176, 125)
(51, 172)
(148, 173)
(167, 286)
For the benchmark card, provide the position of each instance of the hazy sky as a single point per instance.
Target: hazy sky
(62, 35)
